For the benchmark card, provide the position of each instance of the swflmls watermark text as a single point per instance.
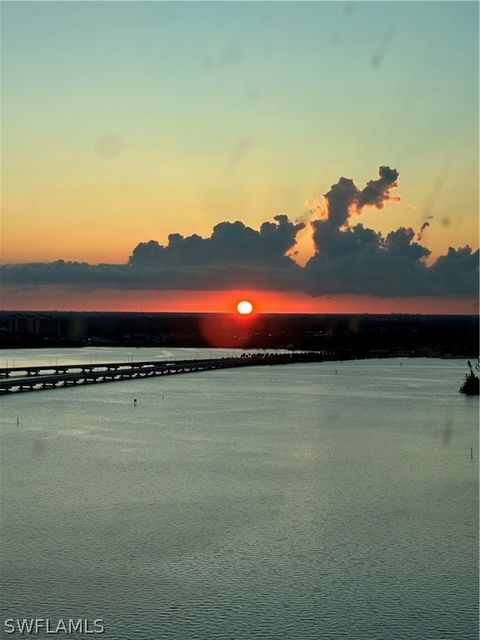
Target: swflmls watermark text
(70, 626)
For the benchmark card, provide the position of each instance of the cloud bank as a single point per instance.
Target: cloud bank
(348, 258)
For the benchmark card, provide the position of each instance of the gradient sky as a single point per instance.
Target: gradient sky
(123, 122)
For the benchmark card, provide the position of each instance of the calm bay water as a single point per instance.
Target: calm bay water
(310, 501)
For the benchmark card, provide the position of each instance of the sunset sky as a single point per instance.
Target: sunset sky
(125, 122)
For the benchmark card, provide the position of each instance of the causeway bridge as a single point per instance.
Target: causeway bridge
(39, 378)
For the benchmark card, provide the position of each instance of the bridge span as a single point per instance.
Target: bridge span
(38, 378)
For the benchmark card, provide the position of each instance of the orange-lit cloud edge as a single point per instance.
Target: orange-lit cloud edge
(59, 299)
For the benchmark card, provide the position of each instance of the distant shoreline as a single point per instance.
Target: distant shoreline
(339, 358)
(351, 336)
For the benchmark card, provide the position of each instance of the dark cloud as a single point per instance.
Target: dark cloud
(341, 197)
(231, 243)
(456, 271)
(359, 260)
(84, 277)
(233, 256)
(344, 198)
(347, 259)
(378, 191)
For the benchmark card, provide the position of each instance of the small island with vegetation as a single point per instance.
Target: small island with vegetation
(470, 385)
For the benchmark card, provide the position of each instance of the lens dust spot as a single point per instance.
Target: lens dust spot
(39, 445)
(448, 430)
(109, 146)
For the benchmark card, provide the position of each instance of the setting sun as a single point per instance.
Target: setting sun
(245, 307)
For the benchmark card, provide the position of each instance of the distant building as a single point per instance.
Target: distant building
(35, 325)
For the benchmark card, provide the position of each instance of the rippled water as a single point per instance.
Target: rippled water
(310, 501)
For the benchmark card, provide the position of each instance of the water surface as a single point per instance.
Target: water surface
(308, 501)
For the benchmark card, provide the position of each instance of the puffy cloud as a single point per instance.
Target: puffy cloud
(233, 256)
(378, 191)
(231, 243)
(341, 197)
(347, 259)
(359, 260)
(344, 198)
